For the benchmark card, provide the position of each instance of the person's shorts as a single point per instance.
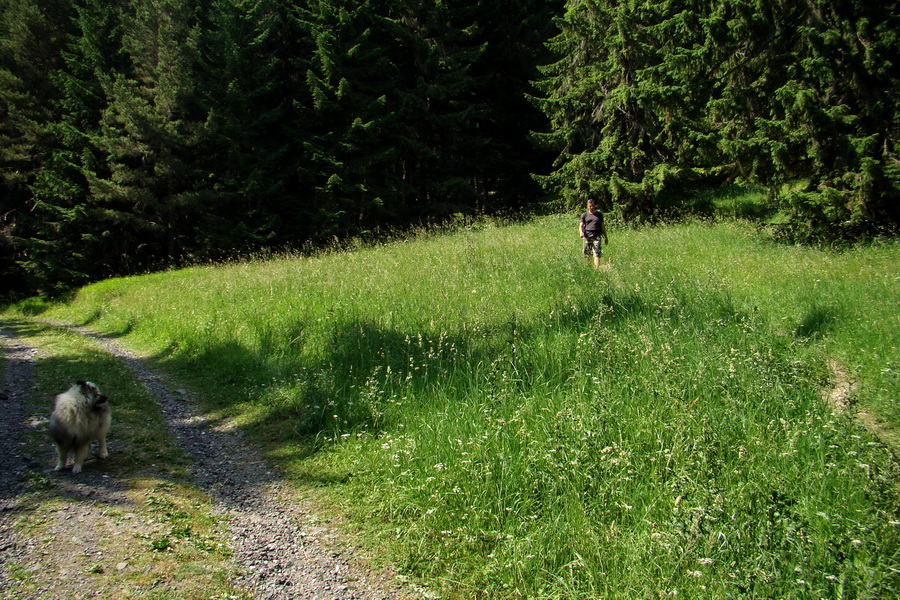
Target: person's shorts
(593, 246)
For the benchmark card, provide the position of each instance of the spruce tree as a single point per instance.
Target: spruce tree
(504, 157)
(623, 100)
(31, 36)
(812, 101)
(152, 200)
(65, 244)
(249, 91)
(650, 100)
(349, 147)
(437, 106)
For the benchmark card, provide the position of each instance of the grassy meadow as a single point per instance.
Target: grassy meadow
(501, 420)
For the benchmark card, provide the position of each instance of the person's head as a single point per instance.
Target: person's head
(591, 205)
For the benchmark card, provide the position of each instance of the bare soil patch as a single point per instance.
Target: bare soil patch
(840, 397)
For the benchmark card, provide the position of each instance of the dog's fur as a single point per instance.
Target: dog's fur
(80, 415)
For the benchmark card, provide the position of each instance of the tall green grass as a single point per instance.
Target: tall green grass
(508, 422)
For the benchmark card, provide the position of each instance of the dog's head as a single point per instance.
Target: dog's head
(101, 404)
(88, 390)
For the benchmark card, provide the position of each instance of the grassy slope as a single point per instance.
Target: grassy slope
(509, 422)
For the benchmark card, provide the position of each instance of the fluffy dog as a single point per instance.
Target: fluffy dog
(80, 415)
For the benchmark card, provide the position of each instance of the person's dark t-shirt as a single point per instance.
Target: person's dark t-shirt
(592, 224)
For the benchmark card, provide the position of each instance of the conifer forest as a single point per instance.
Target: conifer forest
(147, 134)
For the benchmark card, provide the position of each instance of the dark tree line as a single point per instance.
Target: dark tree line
(146, 133)
(139, 134)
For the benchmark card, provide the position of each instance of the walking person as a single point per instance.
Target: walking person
(591, 229)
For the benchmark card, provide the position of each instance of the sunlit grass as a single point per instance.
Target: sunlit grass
(509, 422)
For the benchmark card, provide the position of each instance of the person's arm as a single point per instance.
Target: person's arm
(581, 227)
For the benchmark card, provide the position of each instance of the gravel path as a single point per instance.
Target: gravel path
(282, 551)
(15, 389)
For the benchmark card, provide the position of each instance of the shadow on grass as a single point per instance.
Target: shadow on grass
(294, 398)
(348, 381)
(732, 201)
(19, 328)
(817, 321)
(352, 377)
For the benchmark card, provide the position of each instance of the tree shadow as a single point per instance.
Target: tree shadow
(818, 320)
(362, 368)
(350, 376)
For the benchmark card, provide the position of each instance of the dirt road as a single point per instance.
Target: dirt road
(280, 549)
